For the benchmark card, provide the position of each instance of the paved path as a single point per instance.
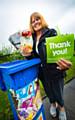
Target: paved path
(69, 98)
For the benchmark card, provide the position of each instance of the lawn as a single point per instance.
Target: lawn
(5, 110)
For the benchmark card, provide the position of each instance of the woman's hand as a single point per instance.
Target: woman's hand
(63, 64)
(26, 51)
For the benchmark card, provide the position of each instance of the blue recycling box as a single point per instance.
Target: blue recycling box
(7, 64)
(20, 79)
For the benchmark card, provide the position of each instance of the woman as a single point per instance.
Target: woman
(52, 75)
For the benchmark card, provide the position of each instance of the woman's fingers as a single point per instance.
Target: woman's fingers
(63, 64)
(66, 62)
(25, 51)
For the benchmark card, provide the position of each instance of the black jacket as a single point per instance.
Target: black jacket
(49, 68)
(46, 32)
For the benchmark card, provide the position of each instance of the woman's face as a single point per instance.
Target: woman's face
(36, 24)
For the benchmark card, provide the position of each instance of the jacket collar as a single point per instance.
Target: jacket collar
(44, 31)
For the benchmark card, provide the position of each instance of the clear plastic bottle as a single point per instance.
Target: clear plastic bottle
(26, 41)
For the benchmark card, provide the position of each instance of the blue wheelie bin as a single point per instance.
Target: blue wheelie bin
(20, 79)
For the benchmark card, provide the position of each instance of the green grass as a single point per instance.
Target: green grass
(71, 71)
(5, 110)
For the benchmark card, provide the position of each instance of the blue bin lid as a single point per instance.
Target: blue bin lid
(15, 66)
(2, 84)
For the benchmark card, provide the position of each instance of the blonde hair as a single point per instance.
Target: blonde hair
(36, 14)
